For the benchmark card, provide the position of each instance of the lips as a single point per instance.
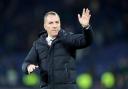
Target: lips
(54, 30)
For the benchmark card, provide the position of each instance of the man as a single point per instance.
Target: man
(54, 52)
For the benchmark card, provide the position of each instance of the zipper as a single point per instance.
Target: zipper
(67, 71)
(51, 64)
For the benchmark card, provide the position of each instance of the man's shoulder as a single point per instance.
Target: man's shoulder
(39, 40)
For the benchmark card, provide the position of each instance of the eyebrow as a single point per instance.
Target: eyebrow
(55, 21)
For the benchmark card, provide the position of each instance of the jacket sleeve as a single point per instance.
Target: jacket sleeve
(30, 59)
(76, 40)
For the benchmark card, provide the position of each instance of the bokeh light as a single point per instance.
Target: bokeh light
(84, 81)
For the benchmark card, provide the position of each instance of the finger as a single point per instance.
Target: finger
(36, 66)
(88, 11)
(83, 11)
(78, 16)
(29, 71)
(89, 16)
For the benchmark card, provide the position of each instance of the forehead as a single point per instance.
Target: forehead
(52, 18)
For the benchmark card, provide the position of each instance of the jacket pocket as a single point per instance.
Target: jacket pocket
(65, 75)
(67, 71)
(70, 74)
(62, 75)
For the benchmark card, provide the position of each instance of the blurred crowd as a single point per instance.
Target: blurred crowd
(22, 20)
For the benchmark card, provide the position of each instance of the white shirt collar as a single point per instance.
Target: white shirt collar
(49, 40)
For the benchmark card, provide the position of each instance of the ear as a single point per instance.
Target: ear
(44, 27)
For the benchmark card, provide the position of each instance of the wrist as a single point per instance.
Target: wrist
(86, 26)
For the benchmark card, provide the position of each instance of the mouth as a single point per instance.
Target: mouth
(54, 30)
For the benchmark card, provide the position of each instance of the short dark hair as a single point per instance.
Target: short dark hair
(50, 13)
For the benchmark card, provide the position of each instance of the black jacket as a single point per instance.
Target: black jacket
(57, 62)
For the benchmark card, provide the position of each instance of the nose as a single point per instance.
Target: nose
(54, 25)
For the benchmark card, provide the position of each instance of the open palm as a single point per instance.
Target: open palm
(84, 18)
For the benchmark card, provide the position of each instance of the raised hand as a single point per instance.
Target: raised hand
(84, 18)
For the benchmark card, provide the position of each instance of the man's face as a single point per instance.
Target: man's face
(52, 25)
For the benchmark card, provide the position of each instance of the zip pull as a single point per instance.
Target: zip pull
(66, 67)
(67, 71)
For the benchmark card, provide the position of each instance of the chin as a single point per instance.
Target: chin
(54, 35)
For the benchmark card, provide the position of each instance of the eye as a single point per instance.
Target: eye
(57, 22)
(50, 22)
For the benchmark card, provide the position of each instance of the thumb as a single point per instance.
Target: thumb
(79, 16)
(36, 66)
(29, 72)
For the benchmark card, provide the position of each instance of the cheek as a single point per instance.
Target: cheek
(47, 28)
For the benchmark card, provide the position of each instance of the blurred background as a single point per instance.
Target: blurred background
(103, 65)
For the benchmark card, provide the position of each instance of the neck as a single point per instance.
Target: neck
(53, 37)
